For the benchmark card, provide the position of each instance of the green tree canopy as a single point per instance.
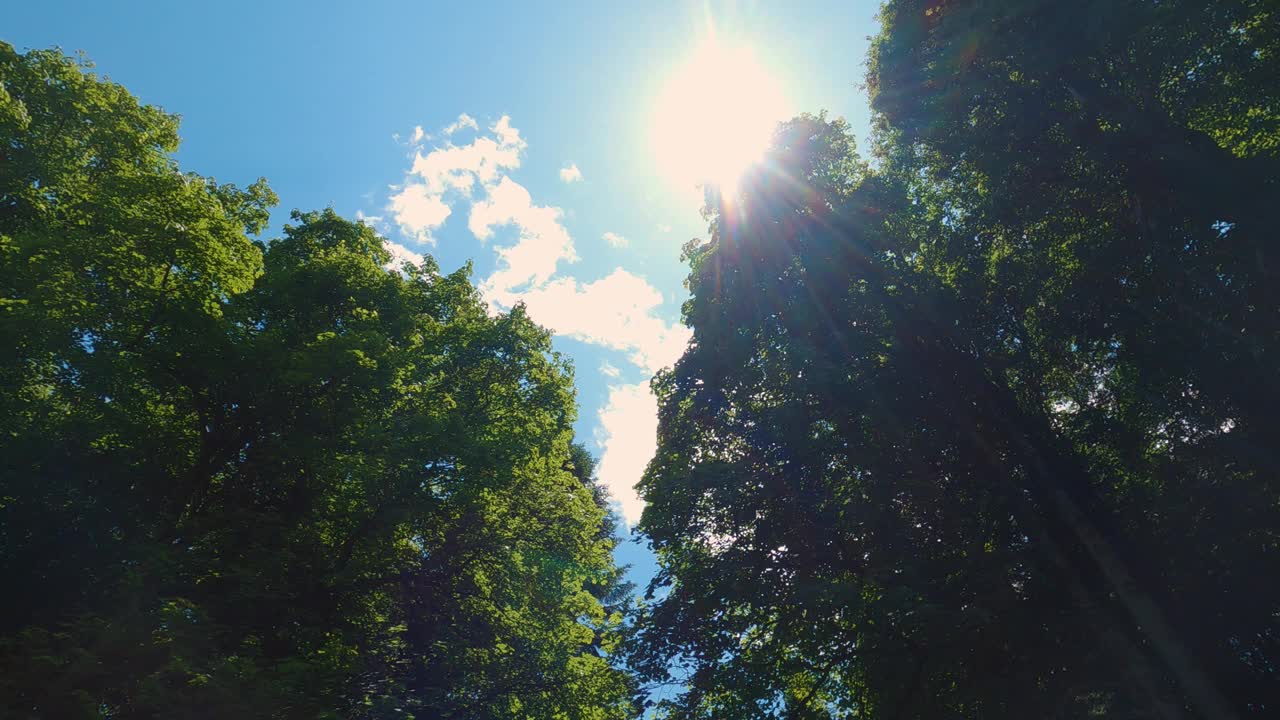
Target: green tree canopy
(268, 479)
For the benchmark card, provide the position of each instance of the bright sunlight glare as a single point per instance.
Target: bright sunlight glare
(715, 116)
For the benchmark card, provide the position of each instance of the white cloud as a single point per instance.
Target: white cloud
(507, 135)
(418, 211)
(459, 166)
(420, 205)
(464, 121)
(543, 242)
(418, 135)
(400, 255)
(616, 311)
(608, 370)
(570, 174)
(664, 228)
(628, 438)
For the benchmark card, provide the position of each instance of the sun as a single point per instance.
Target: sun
(715, 116)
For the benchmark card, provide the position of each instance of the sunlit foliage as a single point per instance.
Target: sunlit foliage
(246, 479)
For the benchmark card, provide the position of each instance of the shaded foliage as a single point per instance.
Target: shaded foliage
(989, 430)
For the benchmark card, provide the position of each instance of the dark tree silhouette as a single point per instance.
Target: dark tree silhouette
(989, 430)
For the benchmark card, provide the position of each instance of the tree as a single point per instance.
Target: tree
(613, 591)
(835, 519)
(268, 479)
(986, 431)
(1116, 212)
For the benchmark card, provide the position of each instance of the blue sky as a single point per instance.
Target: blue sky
(536, 135)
